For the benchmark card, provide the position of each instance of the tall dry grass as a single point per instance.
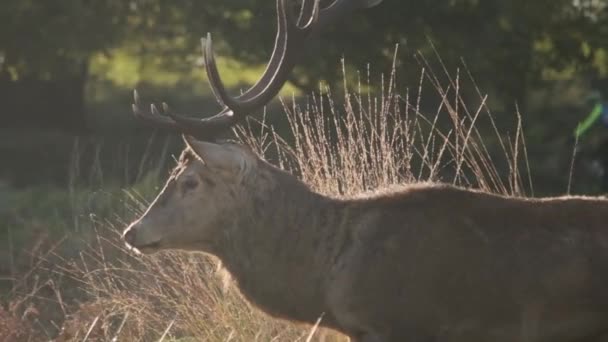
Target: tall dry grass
(360, 141)
(373, 141)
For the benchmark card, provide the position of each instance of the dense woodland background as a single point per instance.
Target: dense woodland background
(67, 67)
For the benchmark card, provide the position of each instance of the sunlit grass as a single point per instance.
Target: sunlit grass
(363, 141)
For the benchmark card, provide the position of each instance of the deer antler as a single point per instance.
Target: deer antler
(292, 34)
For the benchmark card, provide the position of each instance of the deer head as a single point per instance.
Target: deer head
(203, 190)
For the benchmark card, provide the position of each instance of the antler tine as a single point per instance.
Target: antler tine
(268, 83)
(295, 34)
(172, 123)
(314, 14)
(153, 117)
(209, 128)
(288, 47)
(289, 43)
(215, 81)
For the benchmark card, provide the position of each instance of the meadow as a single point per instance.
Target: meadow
(72, 279)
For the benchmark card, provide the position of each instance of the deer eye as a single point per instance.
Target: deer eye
(190, 183)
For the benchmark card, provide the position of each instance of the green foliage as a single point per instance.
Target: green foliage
(48, 39)
(508, 45)
(524, 37)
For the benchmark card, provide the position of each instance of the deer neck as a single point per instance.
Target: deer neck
(280, 252)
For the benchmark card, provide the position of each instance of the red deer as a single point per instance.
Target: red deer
(423, 262)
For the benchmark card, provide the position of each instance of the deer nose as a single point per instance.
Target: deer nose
(129, 236)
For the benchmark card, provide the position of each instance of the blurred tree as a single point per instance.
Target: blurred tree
(45, 46)
(508, 45)
(44, 52)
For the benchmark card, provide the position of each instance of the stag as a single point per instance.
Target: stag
(426, 262)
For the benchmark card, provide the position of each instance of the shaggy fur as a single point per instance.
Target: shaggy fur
(426, 262)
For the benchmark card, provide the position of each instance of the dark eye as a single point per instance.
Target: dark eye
(190, 183)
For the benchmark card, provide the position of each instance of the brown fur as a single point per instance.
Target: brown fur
(425, 262)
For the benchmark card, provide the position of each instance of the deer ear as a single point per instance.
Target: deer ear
(227, 157)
